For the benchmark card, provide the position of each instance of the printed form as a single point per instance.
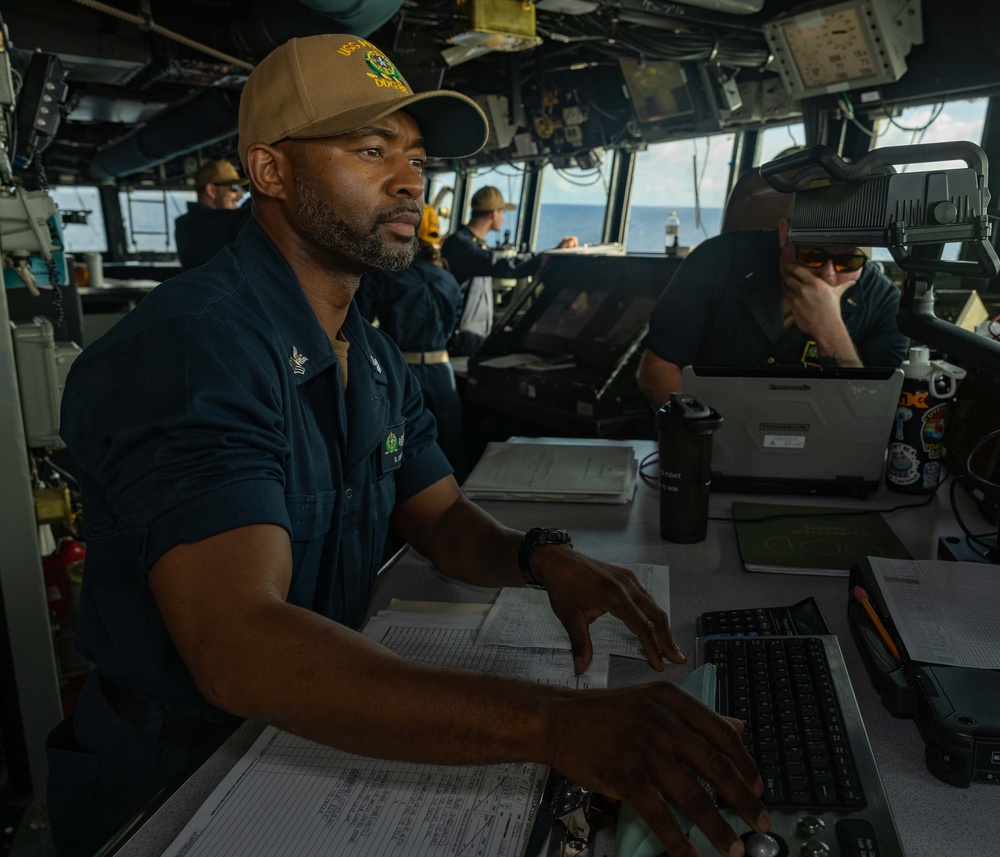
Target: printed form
(289, 797)
(523, 617)
(945, 612)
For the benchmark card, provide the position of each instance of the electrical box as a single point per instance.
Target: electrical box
(42, 367)
(496, 25)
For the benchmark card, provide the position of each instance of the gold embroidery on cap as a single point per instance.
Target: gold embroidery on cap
(385, 73)
(350, 47)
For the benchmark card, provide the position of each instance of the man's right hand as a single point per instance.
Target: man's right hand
(650, 743)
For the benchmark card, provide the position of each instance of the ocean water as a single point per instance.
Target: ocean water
(645, 230)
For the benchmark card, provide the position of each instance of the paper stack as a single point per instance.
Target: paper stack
(565, 473)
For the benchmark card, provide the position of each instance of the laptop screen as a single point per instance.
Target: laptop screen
(798, 430)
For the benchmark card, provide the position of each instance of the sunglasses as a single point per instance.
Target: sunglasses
(817, 257)
(235, 188)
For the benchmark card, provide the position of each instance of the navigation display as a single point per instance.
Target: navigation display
(621, 329)
(567, 316)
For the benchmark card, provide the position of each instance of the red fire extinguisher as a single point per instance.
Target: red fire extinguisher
(55, 569)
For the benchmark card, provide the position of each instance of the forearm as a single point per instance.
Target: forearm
(657, 379)
(834, 342)
(320, 680)
(468, 545)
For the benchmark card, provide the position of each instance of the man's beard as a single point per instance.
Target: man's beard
(335, 238)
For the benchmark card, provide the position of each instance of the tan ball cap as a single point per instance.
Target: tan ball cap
(489, 199)
(218, 172)
(321, 86)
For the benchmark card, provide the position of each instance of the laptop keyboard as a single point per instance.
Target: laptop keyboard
(804, 730)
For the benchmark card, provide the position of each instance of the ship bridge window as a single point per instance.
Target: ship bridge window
(509, 180)
(149, 217)
(774, 139)
(690, 177)
(573, 202)
(82, 219)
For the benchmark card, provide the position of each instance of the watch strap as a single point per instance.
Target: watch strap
(537, 537)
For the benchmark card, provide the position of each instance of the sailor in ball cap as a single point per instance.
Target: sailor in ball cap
(215, 218)
(245, 439)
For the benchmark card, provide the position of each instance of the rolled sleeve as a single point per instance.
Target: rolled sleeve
(197, 448)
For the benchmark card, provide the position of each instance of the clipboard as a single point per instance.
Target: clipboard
(956, 709)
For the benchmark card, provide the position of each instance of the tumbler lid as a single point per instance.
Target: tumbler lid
(685, 414)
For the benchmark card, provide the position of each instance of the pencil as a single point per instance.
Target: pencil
(862, 598)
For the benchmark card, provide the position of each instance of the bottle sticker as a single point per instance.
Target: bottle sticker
(902, 464)
(932, 431)
(902, 415)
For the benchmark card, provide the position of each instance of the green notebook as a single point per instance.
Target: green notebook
(811, 539)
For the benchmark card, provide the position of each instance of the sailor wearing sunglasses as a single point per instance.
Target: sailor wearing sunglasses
(212, 221)
(754, 299)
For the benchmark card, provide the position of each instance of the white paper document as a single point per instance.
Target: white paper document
(523, 617)
(945, 612)
(574, 473)
(289, 797)
(406, 634)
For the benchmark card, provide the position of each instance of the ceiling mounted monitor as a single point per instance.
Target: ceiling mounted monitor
(841, 46)
(658, 89)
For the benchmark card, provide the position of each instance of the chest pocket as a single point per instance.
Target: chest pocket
(310, 515)
(311, 519)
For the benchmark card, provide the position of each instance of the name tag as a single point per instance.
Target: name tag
(392, 448)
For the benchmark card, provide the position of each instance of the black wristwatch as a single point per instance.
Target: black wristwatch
(537, 537)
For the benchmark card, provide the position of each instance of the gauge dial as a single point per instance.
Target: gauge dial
(834, 49)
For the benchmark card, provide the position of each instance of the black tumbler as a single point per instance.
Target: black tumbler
(685, 426)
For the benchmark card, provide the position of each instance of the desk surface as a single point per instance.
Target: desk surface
(933, 819)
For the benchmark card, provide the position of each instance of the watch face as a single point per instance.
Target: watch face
(554, 537)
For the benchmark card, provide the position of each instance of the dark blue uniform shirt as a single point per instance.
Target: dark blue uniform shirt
(215, 404)
(418, 307)
(723, 307)
(468, 257)
(202, 231)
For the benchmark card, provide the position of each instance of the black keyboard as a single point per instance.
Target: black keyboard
(801, 618)
(783, 691)
(804, 730)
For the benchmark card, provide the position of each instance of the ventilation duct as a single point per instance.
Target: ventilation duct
(212, 115)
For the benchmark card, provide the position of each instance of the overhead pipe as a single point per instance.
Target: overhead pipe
(210, 117)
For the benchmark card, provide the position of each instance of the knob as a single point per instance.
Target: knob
(944, 212)
(815, 848)
(810, 825)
